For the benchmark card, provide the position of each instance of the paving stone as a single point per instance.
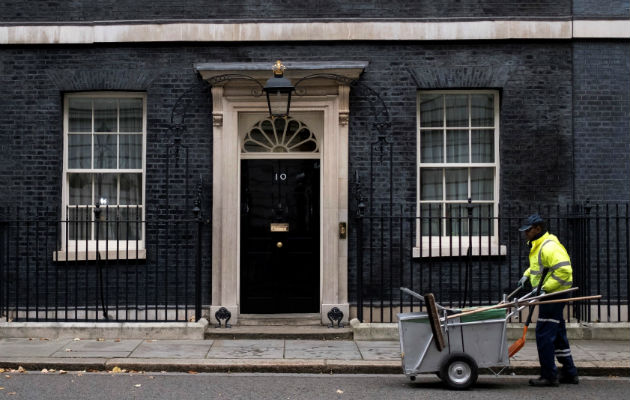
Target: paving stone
(24, 347)
(172, 349)
(317, 349)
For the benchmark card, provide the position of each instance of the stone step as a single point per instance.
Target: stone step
(279, 320)
(309, 332)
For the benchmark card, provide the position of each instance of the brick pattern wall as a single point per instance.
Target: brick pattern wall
(602, 120)
(83, 10)
(601, 8)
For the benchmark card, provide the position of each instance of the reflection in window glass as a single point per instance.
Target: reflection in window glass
(105, 115)
(130, 115)
(431, 146)
(456, 111)
(482, 110)
(80, 115)
(431, 110)
(79, 151)
(431, 184)
(130, 151)
(105, 151)
(456, 183)
(457, 146)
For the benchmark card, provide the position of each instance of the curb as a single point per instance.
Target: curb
(110, 330)
(619, 369)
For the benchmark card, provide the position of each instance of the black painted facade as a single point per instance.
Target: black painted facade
(565, 104)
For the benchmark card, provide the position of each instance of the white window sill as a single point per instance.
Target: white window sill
(90, 255)
(433, 249)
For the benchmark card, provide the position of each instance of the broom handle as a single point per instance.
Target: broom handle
(517, 303)
(598, 296)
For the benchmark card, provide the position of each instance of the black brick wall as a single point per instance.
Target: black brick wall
(601, 8)
(83, 10)
(534, 78)
(602, 120)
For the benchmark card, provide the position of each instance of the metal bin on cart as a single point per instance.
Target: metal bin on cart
(468, 343)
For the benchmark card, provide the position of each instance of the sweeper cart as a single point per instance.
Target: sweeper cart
(454, 344)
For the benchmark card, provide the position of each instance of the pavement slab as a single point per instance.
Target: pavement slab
(379, 350)
(318, 349)
(172, 349)
(98, 348)
(235, 349)
(25, 347)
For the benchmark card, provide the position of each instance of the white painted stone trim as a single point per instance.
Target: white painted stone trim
(90, 33)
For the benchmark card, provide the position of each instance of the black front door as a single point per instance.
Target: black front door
(279, 236)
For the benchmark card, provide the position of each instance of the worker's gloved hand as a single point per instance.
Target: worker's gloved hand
(521, 282)
(534, 292)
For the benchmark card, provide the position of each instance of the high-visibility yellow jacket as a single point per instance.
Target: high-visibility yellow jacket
(548, 252)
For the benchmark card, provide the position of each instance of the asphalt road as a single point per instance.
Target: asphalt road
(181, 386)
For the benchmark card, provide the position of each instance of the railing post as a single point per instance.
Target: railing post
(359, 246)
(197, 212)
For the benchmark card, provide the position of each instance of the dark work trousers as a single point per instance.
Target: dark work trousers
(551, 340)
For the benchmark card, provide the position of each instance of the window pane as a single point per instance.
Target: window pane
(457, 146)
(80, 189)
(104, 151)
(482, 183)
(130, 151)
(80, 115)
(131, 189)
(431, 147)
(456, 219)
(107, 225)
(78, 223)
(482, 110)
(79, 151)
(105, 115)
(130, 224)
(131, 115)
(482, 146)
(430, 217)
(456, 183)
(431, 184)
(431, 110)
(105, 188)
(482, 220)
(457, 110)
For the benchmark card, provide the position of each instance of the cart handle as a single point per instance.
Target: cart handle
(420, 297)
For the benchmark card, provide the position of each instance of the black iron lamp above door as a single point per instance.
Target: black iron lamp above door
(278, 90)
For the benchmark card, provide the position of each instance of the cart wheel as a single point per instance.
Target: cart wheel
(412, 378)
(459, 371)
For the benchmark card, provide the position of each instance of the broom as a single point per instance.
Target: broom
(516, 346)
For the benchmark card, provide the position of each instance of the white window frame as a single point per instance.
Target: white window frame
(454, 246)
(80, 250)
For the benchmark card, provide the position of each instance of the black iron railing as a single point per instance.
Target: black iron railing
(103, 264)
(471, 257)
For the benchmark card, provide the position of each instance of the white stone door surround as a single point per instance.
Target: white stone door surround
(326, 97)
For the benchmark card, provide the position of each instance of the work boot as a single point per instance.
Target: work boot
(543, 382)
(572, 379)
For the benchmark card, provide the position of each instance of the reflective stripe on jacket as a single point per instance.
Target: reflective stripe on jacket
(548, 252)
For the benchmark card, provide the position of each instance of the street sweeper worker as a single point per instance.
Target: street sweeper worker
(546, 252)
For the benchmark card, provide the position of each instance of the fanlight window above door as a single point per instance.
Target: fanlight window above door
(280, 135)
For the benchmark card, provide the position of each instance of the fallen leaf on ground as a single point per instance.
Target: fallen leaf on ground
(117, 340)
(8, 376)
(44, 371)
(1, 388)
(43, 338)
(339, 391)
(76, 339)
(68, 349)
(152, 377)
(21, 370)
(138, 385)
(100, 339)
(116, 370)
(1, 370)
(193, 372)
(11, 393)
(61, 372)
